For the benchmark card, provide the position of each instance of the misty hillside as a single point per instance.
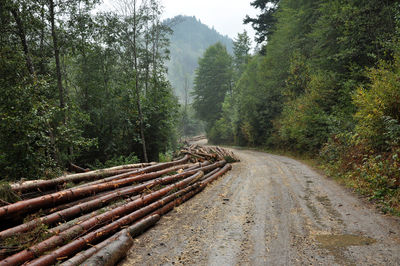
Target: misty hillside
(188, 42)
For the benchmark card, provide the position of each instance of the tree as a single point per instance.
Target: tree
(73, 87)
(241, 52)
(264, 24)
(212, 81)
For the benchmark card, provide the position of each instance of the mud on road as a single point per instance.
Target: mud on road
(271, 210)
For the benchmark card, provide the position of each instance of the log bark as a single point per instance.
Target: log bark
(113, 252)
(74, 193)
(93, 204)
(134, 230)
(198, 165)
(211, 173)
(144, 170)
(46, 184)
(195, 188)
(80, 219)
(76, 230)
(80, 201)
(81, 242)
(214, 176)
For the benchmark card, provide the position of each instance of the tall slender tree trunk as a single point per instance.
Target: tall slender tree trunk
(137, 84)
(56, 54)
(22, 36)
(42, 68)
(185, 115)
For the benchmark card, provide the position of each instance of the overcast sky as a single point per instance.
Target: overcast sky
(226, 16)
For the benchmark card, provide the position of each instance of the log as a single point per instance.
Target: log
(80, 219)
(77, 169)
(214, 176)
(134, 230)
(148, 169)
(211, 173)
(43, 185)
(130, 166)
(81, 242)
(113, 252)
(73, 193)
(76, 230)
(79, 201)
(92, 204)
(197, 165)
(196, 188)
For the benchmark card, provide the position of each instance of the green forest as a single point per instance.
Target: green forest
(82, 86)
(324, 84)
(96, 89)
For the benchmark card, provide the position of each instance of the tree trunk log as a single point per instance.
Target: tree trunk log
(92, 204)
(45, 184)
(76, 230)
(71, 194)
(113, 252)
(134, 230)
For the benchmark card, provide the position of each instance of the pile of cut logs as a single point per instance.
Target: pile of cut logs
(206, 153)
(93, 221)
(196, 138)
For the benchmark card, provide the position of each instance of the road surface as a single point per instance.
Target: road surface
(271, 210)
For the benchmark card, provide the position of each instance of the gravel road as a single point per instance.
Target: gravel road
(271, 210)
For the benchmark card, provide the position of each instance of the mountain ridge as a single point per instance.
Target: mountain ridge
(189, 40)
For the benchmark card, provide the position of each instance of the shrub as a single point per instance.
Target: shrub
(378, 106)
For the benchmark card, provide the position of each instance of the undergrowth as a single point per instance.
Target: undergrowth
(115, 161)
(374, 174)
(6, 194)
(21, 241)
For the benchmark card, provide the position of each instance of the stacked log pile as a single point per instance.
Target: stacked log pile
(196, 138)
(207, 153)
(93, 221)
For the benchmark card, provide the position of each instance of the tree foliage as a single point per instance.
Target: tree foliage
(325, 83)
(213, 81)
(264, 24)
(69, 88)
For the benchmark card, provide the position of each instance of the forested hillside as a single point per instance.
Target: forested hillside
(325, 84)
(189, 40)
(80, 86)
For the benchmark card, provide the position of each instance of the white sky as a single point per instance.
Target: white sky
(226, 16)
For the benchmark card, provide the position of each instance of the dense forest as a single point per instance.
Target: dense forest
(324, 84)
(82, 86)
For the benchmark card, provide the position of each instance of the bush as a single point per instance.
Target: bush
(378, 106)
(115, 161)
(27, 144)
(368, 158)
(306, 121)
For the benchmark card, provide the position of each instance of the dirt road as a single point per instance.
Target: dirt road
(271, 210)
